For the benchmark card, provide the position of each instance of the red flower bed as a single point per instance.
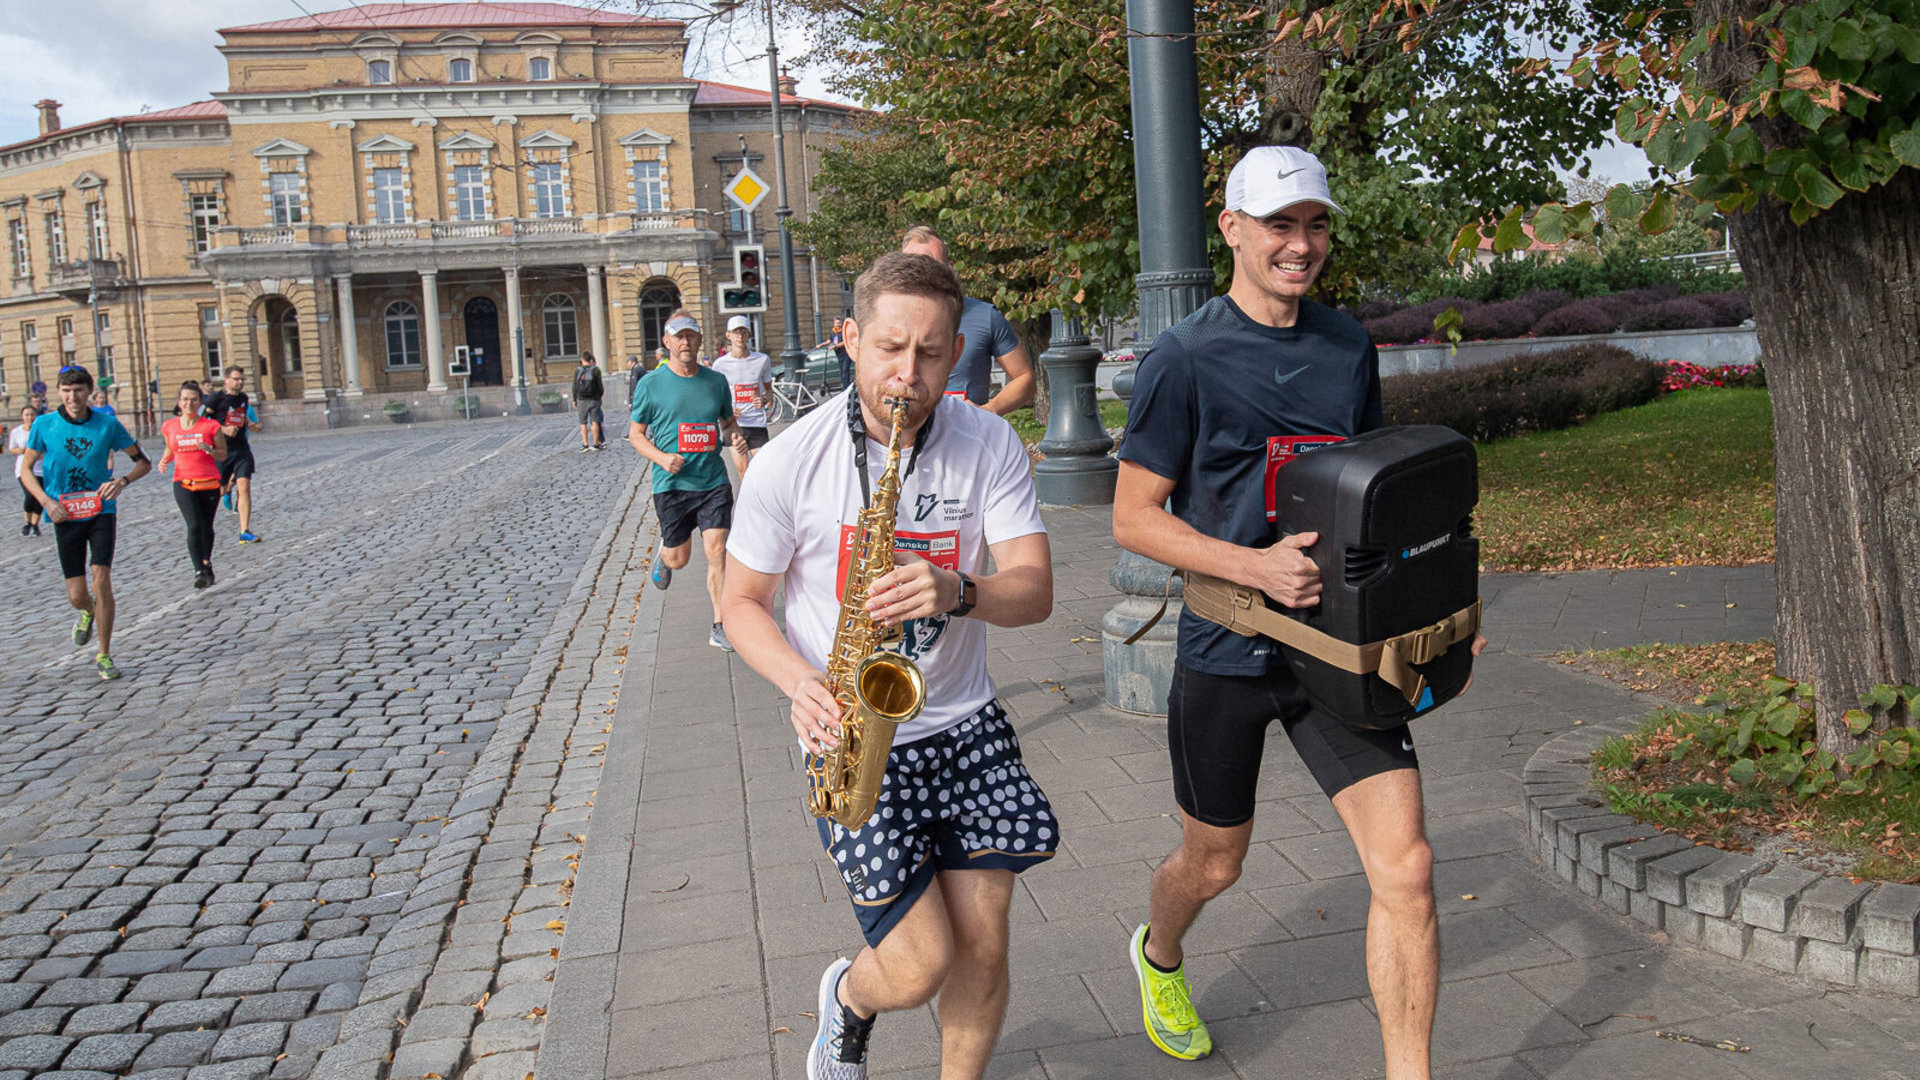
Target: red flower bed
(1684, 375)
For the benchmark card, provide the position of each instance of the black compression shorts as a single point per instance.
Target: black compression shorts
(238, 464)
(756, 436)
(681, 511)
(1217, 729)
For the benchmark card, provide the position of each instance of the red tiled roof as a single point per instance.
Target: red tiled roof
(435, 16)
(713, 93)
(199, 110)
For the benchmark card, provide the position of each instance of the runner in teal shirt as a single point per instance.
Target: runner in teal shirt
(681, 412)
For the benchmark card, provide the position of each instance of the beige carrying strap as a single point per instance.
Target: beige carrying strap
(1244, 611)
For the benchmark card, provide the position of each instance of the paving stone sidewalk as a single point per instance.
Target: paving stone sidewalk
(704, 913)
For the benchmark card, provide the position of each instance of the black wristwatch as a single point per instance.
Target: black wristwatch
(969, 594)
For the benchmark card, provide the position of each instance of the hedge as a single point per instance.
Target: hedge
(1541, 392)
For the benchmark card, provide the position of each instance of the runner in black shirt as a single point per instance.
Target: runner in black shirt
(229, 406)
(1219, 397)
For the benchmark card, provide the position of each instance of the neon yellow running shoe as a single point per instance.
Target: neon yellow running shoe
(1166, 1006)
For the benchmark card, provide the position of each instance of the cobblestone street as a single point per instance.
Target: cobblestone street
(248, 852)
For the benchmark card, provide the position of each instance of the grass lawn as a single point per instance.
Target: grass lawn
(1113, 414)
(1684, 480)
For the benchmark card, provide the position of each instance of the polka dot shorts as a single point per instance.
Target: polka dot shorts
(959, 799)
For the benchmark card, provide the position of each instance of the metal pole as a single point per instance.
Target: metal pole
(792, 357)
(1174, 280)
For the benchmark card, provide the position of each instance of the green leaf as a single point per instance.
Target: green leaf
(1862, 756)
(1742, 736)
(1851, 786)
(1857, 721)
(1467, 239)
(1799, 105)
(1772, 685)
(1880, 697)
(1743, 771)
(1896, 752)
(1622, 203)
(1627, 71)
(1781, 721)
(1511, 234)
(1659, 215)
(1848, 42)
(1904, 41)
(1692, 141)
(1816, 188)
(1550, 224)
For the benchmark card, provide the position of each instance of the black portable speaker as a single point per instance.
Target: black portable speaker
(1396, 553)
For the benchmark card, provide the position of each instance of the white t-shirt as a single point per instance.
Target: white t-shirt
(798, 506)
(17, 440)
(748, 376)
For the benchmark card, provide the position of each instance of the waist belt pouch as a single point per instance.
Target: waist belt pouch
(1399, 569)
(207, 484)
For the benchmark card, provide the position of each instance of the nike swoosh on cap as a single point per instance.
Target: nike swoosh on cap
(1284, 173)
(1279, 378)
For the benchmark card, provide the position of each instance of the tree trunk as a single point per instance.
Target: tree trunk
(1837, 305)
(1293, 81)
(1035, 334)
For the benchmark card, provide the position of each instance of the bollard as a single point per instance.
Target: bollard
(1078, 470)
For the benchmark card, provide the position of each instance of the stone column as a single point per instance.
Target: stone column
(349, 336)
(430, 315)
(516, 346)
(597, 314)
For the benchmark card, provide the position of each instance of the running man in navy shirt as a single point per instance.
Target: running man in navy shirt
(74, 447)
(1258, 370)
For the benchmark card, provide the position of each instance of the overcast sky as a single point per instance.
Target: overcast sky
(102, 58)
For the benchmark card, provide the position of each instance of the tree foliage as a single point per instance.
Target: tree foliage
(1027, 101)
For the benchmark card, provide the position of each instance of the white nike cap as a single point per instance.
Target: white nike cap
(739, 322)
(1271, 178)
(678, 324)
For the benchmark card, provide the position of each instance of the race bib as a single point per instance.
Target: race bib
(957, 393)
(942, 549)
(745, 396)
(236, 418)
(189, 440)
(1282, 449)
(81, 505)
(699, 438)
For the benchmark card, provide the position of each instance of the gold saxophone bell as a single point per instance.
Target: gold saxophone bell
(877, 690)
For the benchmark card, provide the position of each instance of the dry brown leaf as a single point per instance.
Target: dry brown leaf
(484, 998)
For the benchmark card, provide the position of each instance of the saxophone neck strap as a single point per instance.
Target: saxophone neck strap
(857, 428)
(1244, 611)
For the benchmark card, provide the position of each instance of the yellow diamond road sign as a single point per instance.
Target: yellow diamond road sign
(747, 189)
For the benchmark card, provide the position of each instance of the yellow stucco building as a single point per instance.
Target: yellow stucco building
(383, 188)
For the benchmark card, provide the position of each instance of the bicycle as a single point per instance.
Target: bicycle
(791, 400)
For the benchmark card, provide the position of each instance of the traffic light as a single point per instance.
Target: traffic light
(745, 293)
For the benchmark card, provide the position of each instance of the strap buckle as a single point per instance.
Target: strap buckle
(1420, 644)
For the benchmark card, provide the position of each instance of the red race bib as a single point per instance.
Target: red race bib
(236, 418)
(81, 505)
(942, 549)
(745, 396)
(189, 440)
(699, 438)
(957, 393)
(1282, 449)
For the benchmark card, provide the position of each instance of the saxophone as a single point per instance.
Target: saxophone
(877, 690)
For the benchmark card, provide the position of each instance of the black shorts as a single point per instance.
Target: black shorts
(756, 437)
(959, 799)
(590, 413)
(1217, 728)
(681, 511)
(76, 539)
(237, 466)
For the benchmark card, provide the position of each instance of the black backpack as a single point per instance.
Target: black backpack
(586, 383)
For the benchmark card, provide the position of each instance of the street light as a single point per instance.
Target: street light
(791, 356)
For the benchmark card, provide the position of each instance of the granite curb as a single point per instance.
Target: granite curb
(1781, 918)
(415, 948)
(578, 1032)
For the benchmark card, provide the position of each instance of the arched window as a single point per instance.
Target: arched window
(539, 69)
(379, 72)
(403, 335)
(562, 334)
(460, 70)
(657, 304)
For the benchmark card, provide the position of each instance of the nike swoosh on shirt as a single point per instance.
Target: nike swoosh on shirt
(1279, 378)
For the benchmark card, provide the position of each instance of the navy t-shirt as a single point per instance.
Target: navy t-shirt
(989, 336)
(1209, 395)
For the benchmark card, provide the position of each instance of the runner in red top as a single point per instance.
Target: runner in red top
(195, 446)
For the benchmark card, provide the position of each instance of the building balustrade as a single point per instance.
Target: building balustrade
(426, 232)
(77, 279)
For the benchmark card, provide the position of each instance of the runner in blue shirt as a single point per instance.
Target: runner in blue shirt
(74, 447)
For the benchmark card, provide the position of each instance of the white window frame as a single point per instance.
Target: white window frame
(403, 318)
(21, 246)
(289, 207)
(291, 356)
(99, 243)
(390, 199)
(379, 73)
(539, 69)
(213, 362)
(460, 70)
(469, 192)
(649, 186)
(560, 327)
(549, 189)
(56, 236)
(204, 209)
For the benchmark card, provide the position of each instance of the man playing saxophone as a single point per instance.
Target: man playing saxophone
(930, 872)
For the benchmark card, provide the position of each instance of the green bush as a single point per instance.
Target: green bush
(1542, 392)
(1510, 279)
